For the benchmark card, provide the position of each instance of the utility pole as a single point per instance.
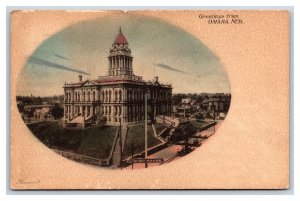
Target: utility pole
(214, 117)
(132, 154)
(146, 128)
(120, 134)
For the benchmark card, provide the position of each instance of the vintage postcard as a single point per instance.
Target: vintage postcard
(149, 99)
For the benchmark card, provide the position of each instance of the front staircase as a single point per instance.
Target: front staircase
(167, 120)
(77, 120)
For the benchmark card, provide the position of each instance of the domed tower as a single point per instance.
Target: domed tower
(120, 59)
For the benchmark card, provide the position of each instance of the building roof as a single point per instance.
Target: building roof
(120, 39)
(186, 100)
(108, 80)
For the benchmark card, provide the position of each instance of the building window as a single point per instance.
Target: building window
(120, 96)
(88, 96)
(94, 95)
(116, 96)
(116, 110)
(109, 96)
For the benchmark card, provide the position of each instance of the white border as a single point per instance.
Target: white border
(155, 4)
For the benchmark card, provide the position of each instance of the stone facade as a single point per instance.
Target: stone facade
(119, 96)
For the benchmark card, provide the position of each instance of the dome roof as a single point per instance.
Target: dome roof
(120, 39)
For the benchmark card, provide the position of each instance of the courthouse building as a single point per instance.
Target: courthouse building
(119, 96)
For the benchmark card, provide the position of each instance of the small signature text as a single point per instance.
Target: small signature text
(24, 181)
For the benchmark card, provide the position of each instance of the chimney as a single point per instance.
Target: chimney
(80, 78)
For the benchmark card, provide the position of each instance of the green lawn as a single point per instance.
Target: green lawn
(160, 127)
(199, 125)
(136, 134)
(93, 141)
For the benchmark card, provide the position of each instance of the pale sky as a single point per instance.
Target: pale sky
(159, 49)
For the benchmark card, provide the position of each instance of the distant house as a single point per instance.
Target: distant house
(216, 104)
(186, 100)
(187, 106)
(40, 112)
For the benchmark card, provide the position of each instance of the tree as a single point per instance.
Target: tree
(199, 116)
(199, 99)
(57, 111)
(184, 132)
(101, 121)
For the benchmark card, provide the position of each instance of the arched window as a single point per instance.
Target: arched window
(133, 95)
(120, 95)
(102, 96)
(94, 95)
(116, 96)
(129, 95)
(109, 96)
(83, 95)
(116, 110)
(88, 96)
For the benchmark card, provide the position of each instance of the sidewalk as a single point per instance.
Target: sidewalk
(171, 151)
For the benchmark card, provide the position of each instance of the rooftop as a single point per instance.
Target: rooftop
(120, 39)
